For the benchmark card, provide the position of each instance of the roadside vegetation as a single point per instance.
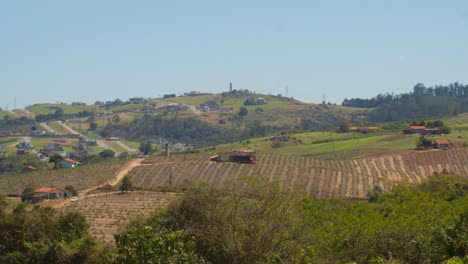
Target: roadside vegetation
(258, 222)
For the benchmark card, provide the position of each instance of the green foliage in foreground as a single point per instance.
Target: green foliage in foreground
(41, 235)
(258, 222)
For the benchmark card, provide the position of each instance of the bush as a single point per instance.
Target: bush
(107, 154)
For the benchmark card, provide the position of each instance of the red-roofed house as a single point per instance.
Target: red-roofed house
(49, 193)
(68, 163)
(441, 144)
(29, 168)
(415, 130)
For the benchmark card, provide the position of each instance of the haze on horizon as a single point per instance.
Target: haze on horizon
(102, 50)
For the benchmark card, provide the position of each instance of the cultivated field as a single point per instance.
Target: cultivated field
(82, 177)
(323, 178)
(109, 213)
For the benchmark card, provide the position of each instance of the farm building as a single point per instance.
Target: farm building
(441, 144)
(239, 156)
(49, 193)
(54, 146)
(261, 101)
(210, 106)
(29, 168)
(366, 129)
(68, 163)
(415, 130)
(25, 144)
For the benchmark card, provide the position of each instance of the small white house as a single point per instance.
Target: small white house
(68, 163)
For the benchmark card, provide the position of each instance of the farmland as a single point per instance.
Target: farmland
(67, 109)
(5, 113)
(322, 178)
(110, 213)
(81, 177)
(330, 144)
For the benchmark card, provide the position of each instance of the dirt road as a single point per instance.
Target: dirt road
(48, 128)
(127, 148)
(113, 182)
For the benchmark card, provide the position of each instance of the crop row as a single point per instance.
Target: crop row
(109, 213)
(81, 177)
(323, 178)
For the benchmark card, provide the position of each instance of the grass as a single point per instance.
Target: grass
(45, 109)
(7, 143)
(57, 127)
(5, 113)
(127, 107)
(192, 100)
(82, 177)
(457, 122)
(320, 143)
(40, 143)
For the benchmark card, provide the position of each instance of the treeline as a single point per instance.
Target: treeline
(258, 222)
(422, 102)
(319, 118)
(417, 107)
(59, 114)
(455, 90)
(186, 130)
(22, 124)
(42, 235)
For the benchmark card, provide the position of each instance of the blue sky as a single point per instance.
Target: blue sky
(101, 50)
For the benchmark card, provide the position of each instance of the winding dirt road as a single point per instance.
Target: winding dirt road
(113, 182)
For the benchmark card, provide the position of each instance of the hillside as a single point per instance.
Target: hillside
(322, 178)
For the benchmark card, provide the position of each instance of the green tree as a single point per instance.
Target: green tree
(424, 143)
(107, 154)
(345, 126)
(126, 185)
(71, 190)
(145, 244)
(55, 159)
(59, 113)
(116, 119)
(28, 194)
(243, 111)
(146, 148)
(93, 126)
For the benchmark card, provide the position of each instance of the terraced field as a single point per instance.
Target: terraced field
(323, 178)
(81, 177)
(109, 213)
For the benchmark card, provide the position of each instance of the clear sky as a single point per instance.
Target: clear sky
(102, 50)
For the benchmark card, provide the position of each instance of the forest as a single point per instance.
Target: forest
(256, 221)
(422, 102)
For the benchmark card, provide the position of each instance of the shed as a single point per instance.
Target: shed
(441, 144)
(50, 193)
(68, 163)
(416, 129)
(29, 168)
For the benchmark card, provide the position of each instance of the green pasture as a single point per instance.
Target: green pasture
(44, 109)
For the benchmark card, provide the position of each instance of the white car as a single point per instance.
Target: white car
(74, 199)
